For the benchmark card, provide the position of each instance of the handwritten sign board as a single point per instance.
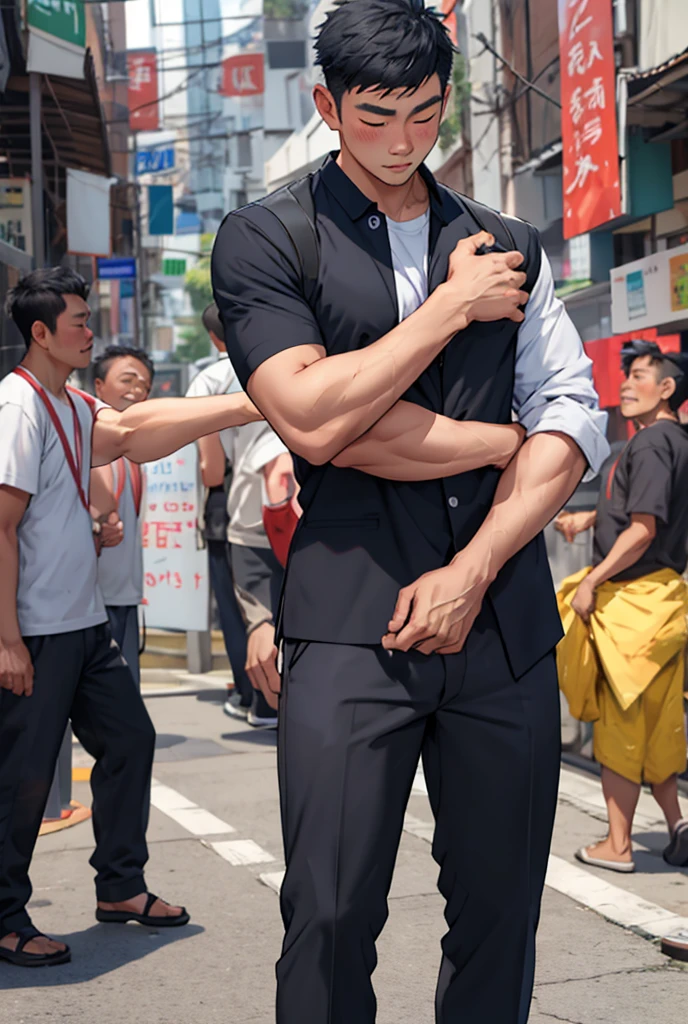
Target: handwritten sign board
(176, 573)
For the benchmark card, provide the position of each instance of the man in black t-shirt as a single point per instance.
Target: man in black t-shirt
(640, 552)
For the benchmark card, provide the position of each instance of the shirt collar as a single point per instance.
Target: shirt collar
(357, 204)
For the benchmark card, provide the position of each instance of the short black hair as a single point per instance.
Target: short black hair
(391, 44)
(39, 296)
(668, 364)
(101, 365)
(213, 322)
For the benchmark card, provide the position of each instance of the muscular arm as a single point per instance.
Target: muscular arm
(151, 430)
(412, 443)
(628, 548)
(16, 670)
(212, 460)
(102, 497)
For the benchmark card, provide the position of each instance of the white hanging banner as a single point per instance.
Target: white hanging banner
(88, 214)
(176, 593)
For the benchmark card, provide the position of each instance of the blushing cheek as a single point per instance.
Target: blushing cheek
(366, 136)
(425, 135)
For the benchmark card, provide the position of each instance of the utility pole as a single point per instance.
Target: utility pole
(38, 222)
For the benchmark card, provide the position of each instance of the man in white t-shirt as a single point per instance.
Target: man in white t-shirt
(122, 377)
(57, 659)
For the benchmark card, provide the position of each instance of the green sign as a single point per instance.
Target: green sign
(174, 268)
(63, 19)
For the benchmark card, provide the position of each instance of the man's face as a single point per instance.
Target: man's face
(127, 382)
(71, 342)
(391, 135)
(645, 389)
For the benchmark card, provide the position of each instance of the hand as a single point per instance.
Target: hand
(436, 613)
(514, 436)
(584, 600)
(16, 669)
(261, 663)
(487, 287)
(573, 523)
(111, 531)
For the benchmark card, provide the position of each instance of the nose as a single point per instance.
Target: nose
(402, 145)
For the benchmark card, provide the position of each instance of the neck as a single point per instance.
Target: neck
(51, 374)
(655, 416)
(392, 200)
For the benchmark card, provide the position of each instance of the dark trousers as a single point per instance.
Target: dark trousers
(124, 625)
(231, 621)
(259, 573)
(353, 723)
(79, 676)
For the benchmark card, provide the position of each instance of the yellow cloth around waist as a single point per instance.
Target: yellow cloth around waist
(637, 627)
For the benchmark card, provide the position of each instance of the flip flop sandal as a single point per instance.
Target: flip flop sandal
(611, 865)
(125, 916)
(20, 958)
(676, 852)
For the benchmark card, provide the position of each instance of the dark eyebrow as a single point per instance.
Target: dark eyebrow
(82, 316)
(371, 108)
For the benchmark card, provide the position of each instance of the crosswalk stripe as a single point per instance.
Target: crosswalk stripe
(242, 852)
(189, 815)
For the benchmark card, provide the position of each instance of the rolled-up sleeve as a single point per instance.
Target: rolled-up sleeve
(257, 287)
(554, 390)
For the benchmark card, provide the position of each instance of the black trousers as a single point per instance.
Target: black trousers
(231, 621)
(353, 723)
(124, 626)
(79, 676)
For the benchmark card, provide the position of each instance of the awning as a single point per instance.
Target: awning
(658, 99)
(74, 132)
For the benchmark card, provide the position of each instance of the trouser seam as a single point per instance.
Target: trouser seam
(336, 867)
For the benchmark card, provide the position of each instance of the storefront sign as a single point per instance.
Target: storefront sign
(15, 213)
(154, 161)
(57, 37)
(651, 292)
(176, 572)
(592, 191)
(243, 75)
(144, 108)
(117, 269)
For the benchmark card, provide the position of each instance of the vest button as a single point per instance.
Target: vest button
(453, 502)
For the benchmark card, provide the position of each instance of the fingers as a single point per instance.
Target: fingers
(402, 609)
(28, 681)
(469, 246)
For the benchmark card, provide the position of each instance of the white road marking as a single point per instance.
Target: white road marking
(242, 852)
(419, 786)
(273, 880)
(189, 815)
(586, 794)
(617, 905)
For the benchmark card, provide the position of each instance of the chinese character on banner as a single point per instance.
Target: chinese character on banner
(243, 76)
(592, 191)
(144, 109)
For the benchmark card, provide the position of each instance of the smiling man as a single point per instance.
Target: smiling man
(57, 659)
(418, 611)
(634, 604)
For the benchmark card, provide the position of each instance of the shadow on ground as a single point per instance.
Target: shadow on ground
(96, 951)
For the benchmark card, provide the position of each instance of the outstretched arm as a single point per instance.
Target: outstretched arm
(151, 430)
(412, 443)
(436, 613)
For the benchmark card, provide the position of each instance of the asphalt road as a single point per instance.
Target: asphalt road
(215, 847)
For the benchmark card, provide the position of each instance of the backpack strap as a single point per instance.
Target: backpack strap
(294, 207)
(511, 233)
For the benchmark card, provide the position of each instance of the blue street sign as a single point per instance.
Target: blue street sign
(153, 161)
(117, 269)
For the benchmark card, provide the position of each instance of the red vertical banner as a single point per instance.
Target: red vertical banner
(592, 192)
(144, 108)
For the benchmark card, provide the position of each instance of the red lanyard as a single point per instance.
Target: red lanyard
(75, 466)
(134, 470)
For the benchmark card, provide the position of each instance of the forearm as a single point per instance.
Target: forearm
(332, 401)
(533, 488)
(152, 430)
(102, 499)
(629, 547)
(212, 460)
(10, 632)
(412, 443)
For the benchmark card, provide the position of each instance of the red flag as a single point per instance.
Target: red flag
(144, 108)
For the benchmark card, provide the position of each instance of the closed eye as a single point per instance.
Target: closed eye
(373, 124)
(427, 120)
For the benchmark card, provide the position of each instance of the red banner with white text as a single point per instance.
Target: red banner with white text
(243, 75)
(144, 108)
(592, 192)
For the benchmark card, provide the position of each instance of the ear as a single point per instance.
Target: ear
(326, 107)
(39, 334)
(667, 388)
(99, 387)
(445, 101)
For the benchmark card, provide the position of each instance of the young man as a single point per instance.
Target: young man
(57, 660)
(220, 379)
(634, 603)
(408, 618)
(123, 377)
